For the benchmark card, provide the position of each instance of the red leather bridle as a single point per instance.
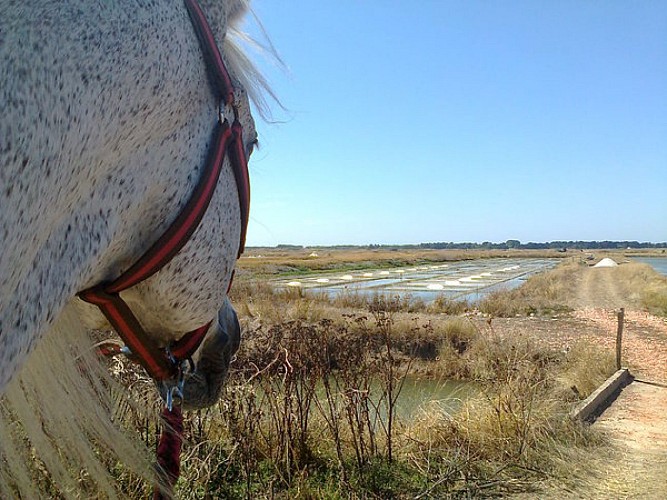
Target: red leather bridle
(161, 363)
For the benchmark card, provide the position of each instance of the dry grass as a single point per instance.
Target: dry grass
(649, 288)
(516, 432)
(654, 299)
(544, 293)
(513, 436)
(310, 410)
(586, 367)
(307, 411)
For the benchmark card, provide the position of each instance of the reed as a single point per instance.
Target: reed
(310, 412)
(647, 285)
(542, 294)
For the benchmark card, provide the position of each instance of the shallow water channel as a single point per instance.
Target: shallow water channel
(422, 395)
(416, 397)
(461, 280)
(658, 263)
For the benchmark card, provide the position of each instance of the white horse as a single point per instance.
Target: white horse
(106, 119)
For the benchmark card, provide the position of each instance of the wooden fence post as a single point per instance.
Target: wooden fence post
(619, 336)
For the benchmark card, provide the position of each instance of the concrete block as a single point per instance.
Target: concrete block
(591, 407)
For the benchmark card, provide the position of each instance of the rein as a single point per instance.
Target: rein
(170, 363)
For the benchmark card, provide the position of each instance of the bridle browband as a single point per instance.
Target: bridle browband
(160, 363)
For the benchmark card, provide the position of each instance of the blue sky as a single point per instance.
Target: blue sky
(423, 121)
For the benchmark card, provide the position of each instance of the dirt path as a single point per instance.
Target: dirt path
(635, 465)
(599, 294)
(637, 425)
(598, 289)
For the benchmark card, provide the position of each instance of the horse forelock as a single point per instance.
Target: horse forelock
(235, 10)
(236, 46)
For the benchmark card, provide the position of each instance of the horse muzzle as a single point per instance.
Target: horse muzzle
(203, 386)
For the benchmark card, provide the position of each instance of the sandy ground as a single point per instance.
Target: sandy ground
(635, 465)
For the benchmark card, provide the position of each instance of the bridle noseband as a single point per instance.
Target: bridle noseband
(227, 141)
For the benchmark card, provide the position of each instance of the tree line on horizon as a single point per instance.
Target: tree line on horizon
(507, 245)
(575, 245)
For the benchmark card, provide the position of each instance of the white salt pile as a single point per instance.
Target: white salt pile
(606, 262)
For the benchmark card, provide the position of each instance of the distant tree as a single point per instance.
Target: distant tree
(559, 244)
(284, 246)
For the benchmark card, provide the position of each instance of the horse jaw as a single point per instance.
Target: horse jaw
(203, 386)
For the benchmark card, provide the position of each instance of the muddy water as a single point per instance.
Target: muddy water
(421, 395)
(418, 396)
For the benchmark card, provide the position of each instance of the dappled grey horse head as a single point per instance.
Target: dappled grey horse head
(106, 122)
